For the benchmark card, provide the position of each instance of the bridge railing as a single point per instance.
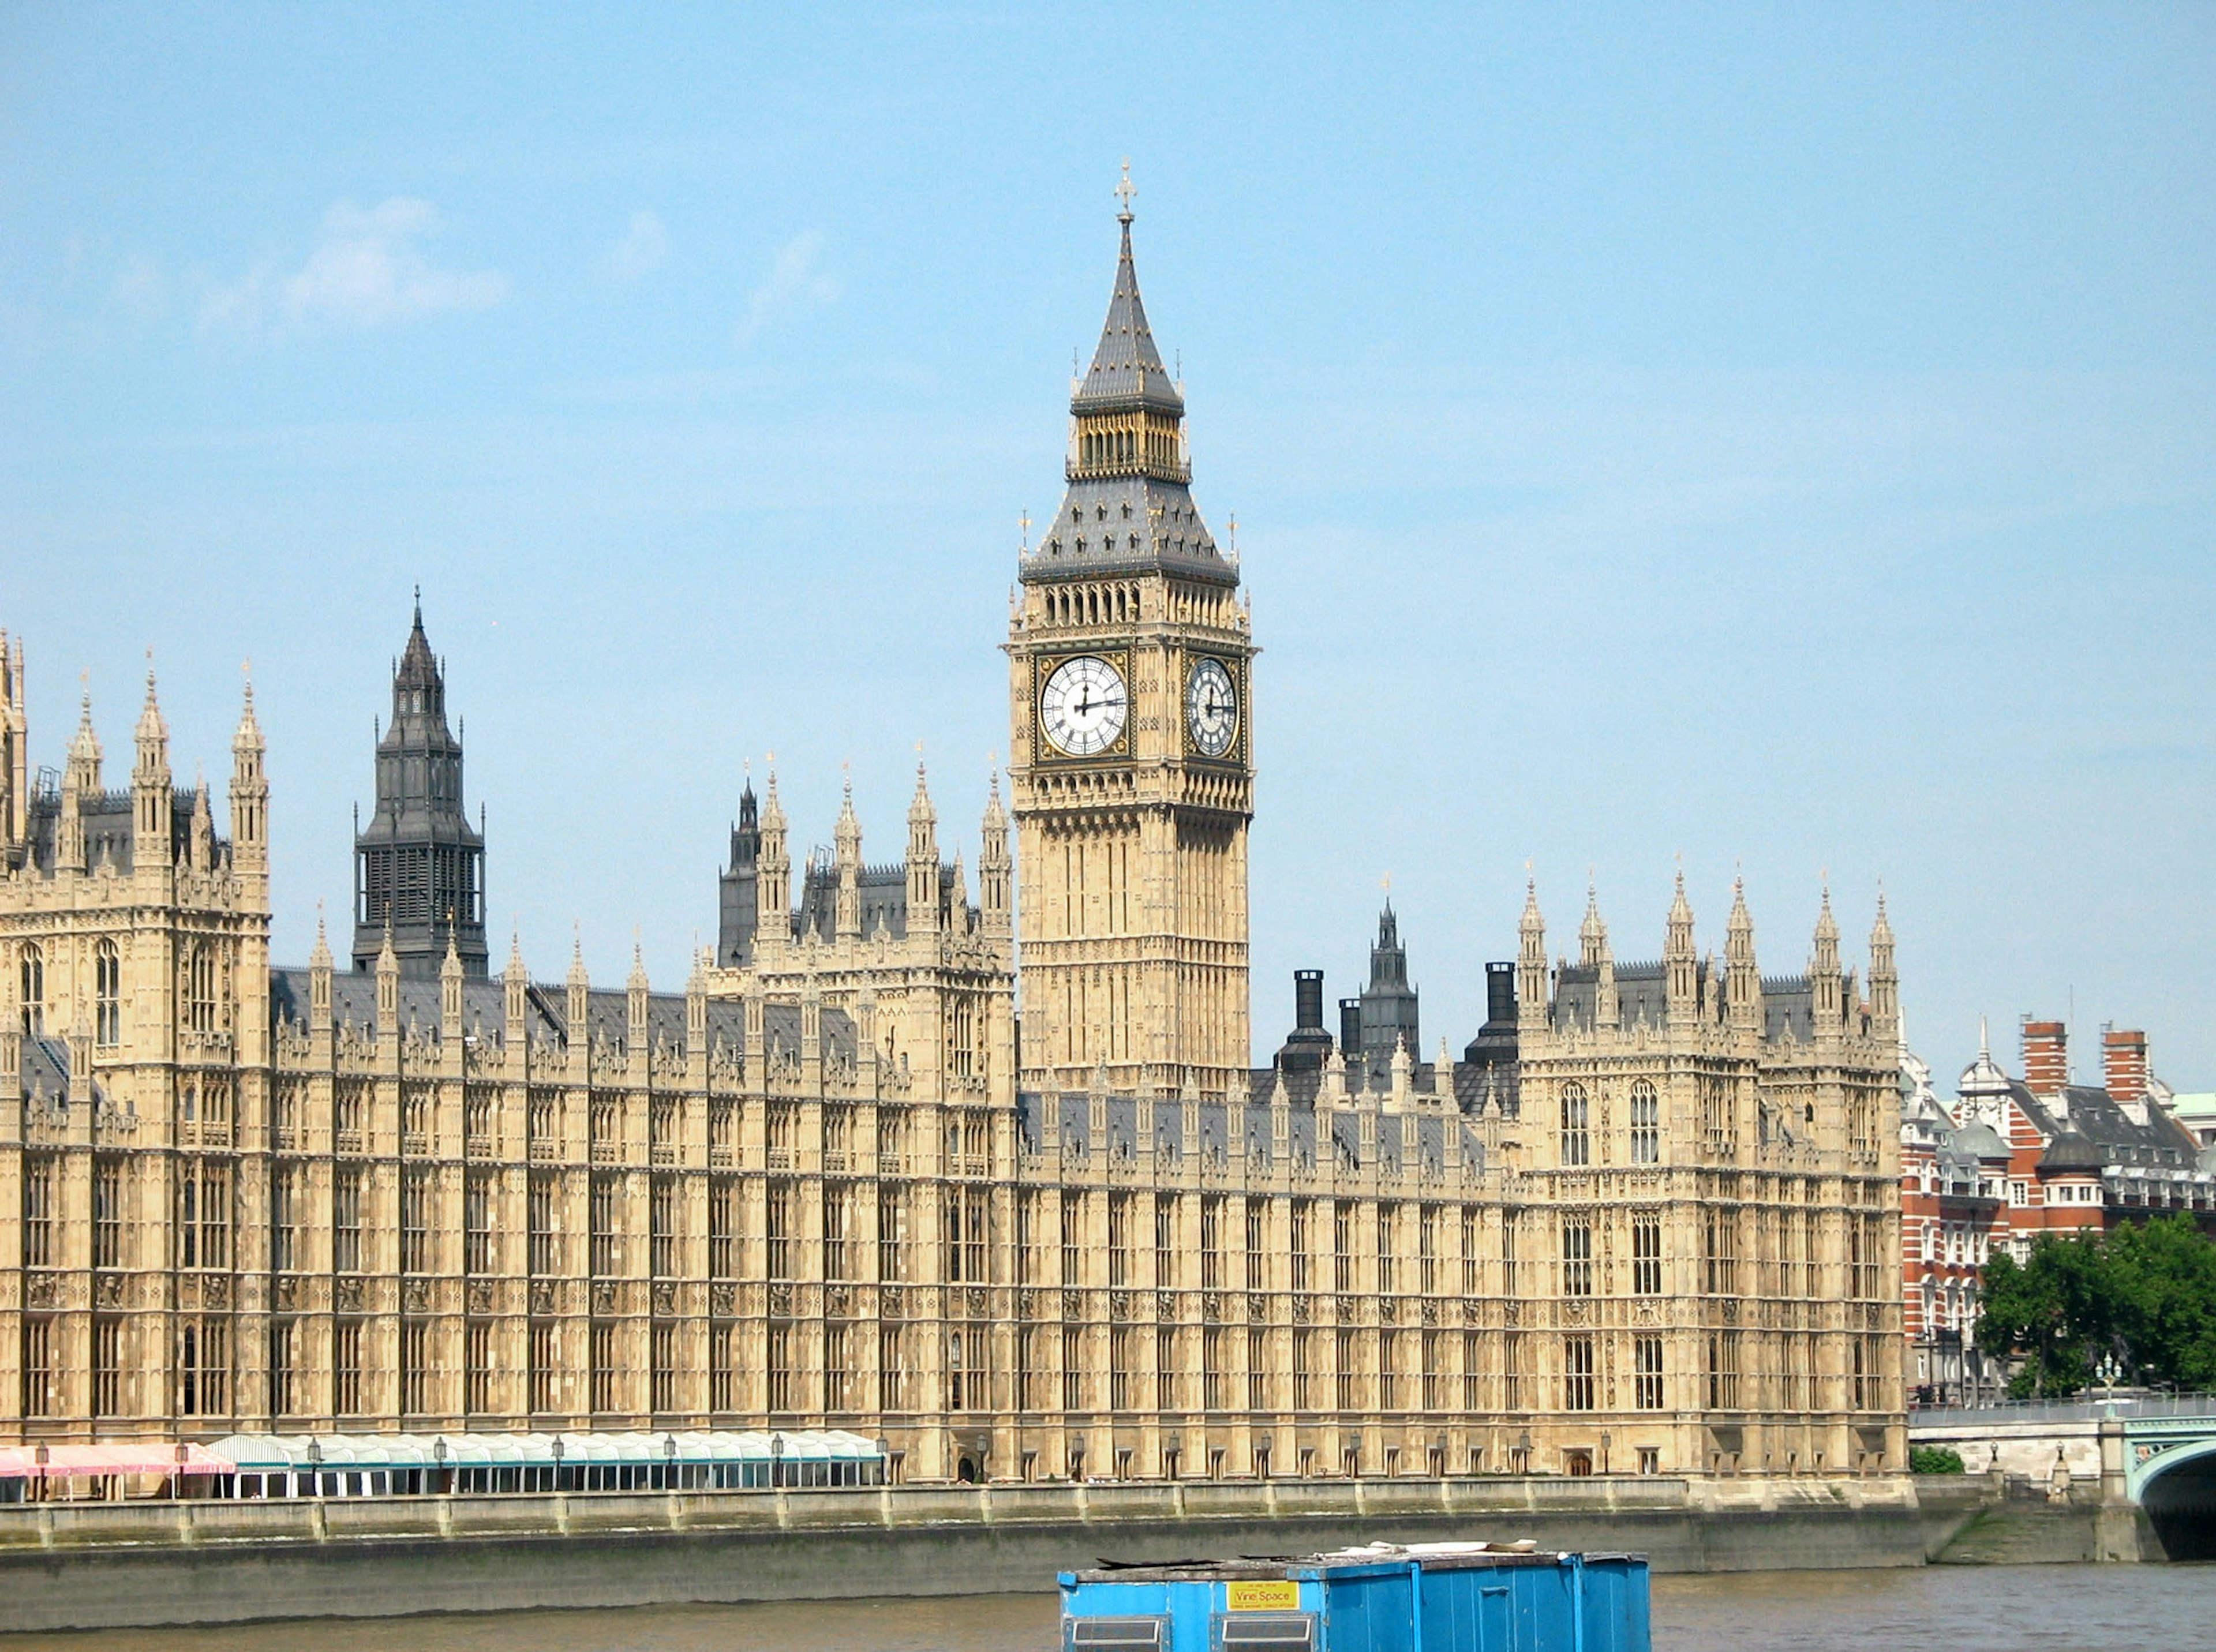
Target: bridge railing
(2084, 1408)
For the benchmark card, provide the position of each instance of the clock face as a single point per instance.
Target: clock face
(1211, 709)
(1084, 705)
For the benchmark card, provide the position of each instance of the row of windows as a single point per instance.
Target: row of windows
(1577, 1130)
(1411, 1371)
(200, 996)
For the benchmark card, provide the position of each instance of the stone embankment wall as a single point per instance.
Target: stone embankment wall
(119, 1565)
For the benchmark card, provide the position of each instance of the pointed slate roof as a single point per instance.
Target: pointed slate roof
(1127, 369)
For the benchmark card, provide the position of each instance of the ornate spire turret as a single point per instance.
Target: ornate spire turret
(992, 865)
(922, 860)
(319, 979)
(579, 995)
(1592, 934)
(153, 805)
(450, 991)
(80, 781)
(1592, 944)
(15, 756)
(1824, 974)
(250, 790)
(1128, 467)
(516, 997)
(1531, 1005)
(773, 878)
(1680, 964)
(635, 999)
(1885, 978)
(848, 836)
(419, 863)
(1742, 977)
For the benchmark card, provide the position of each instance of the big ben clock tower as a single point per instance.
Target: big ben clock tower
(1131, 748)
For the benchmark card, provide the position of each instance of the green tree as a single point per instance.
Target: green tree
(2143, 1296)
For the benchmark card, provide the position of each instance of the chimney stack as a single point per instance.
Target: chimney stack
(2046, 1057)
(1349, 1029)
(1308, 1000)
(1500, 995)
(2124, 1064)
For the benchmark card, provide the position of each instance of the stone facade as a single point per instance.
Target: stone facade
(1651, 1225)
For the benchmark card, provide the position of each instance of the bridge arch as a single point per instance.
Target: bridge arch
(2176, 1487)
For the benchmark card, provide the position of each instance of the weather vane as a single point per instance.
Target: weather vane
(1124, 191)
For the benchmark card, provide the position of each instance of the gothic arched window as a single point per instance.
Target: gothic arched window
(1577, 1136)
(200, 988)
(1646, 1124)
(34, 991)
(108, 994)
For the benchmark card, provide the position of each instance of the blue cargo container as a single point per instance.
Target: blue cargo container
(1424, 1598)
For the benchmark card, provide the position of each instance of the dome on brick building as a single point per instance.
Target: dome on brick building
(2073, 1152)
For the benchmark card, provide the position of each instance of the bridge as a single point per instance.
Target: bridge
(2155, 1455)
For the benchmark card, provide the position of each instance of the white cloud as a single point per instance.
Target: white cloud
(643, 246)
(795, 283)
(365, 270)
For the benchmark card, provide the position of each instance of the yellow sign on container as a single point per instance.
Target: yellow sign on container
(1283, 1595)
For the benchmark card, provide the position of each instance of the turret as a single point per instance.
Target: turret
(848, 838)
(922, 861)
(200, 836)
(735, 892)
(579, 1007)
(450, 995)
(249, 793)
(1593, 942)
(15, 760)
(1823, 967)
(993, 868)
(1742, 977)
(80, 783)
(1592, 934)
(1680, 964)
(152, 802)
(1531, 965)
(635, 996)
(1885, 978)
(388, 993)
(419, 864)
(319, 980)
(772, 881)
(516, 997)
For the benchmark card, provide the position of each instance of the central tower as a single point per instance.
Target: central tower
(1131, 752)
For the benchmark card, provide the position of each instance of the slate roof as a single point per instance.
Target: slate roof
(2120, 1138)
(484, 1012)
(1127, 369)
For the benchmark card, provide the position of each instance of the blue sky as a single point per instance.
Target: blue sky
(1774, 437)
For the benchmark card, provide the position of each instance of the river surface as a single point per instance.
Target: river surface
(1933, 1609)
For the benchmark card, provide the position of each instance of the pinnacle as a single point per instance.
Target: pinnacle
(1126, 366)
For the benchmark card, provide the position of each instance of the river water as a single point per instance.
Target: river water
(1934, 1609)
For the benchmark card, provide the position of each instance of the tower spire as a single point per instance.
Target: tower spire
(420, 860)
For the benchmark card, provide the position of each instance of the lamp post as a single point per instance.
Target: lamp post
(776, 1460)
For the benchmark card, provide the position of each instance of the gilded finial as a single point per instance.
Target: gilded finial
(1124, 191)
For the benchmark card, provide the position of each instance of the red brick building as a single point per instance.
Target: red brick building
(2014, 1157)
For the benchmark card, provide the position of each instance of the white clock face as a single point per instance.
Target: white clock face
(1211, 709)
(1084, 706)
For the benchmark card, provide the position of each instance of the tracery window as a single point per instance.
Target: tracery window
(200, 988)
(108, 994)
(1646, 1124)
(1577, 1136)
(1577, 1259)
(34, 997)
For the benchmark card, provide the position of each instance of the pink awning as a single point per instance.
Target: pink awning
(122, 1457)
